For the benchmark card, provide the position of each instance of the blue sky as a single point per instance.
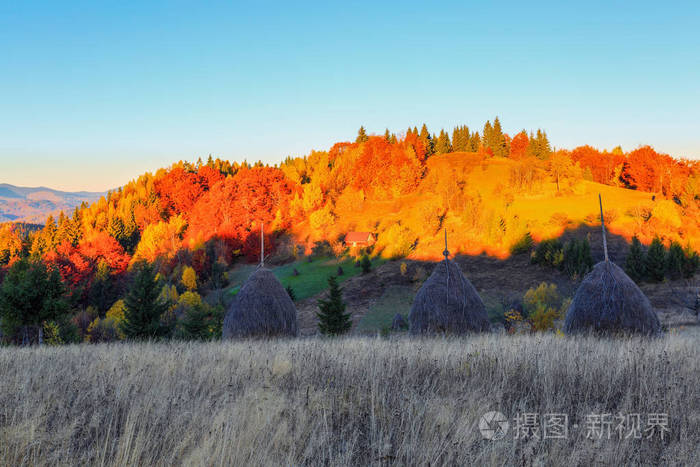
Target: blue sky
(93, 94)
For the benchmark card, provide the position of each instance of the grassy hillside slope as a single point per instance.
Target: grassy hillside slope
(484, 210)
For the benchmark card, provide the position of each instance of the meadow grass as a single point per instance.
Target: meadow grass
(395, 299)
(313, 275)
(349, 401)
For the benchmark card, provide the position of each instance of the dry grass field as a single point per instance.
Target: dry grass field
(354, 401)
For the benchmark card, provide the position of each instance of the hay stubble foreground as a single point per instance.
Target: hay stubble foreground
(348, 401)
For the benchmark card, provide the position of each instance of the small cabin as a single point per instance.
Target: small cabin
(359, 239)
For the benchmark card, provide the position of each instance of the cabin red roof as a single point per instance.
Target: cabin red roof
(358, 237)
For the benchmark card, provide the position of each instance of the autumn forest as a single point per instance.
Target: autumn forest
(490, 191)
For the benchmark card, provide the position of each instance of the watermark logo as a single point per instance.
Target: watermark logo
(531, 425)
(493, 425)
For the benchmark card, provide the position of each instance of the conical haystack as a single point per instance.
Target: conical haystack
(262, 308)
(608, 301)
(447, 303)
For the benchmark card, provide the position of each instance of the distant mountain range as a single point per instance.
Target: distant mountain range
(34, 205)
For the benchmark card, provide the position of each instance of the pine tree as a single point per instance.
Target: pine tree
(49, 233)
(31, 295)
(361, 135)
(674, 261)
(143, 306)
(443, 145)
(387, 136)
(332, 319)
(426, 140)
(656, 260)
(531, 150)
(195, 325)
(474, 142)
(691, 261)
(486, 139)
(542, 148)
(498, 140)
(635, 264)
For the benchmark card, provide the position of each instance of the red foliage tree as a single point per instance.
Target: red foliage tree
(601, 164)
(647, 170)
(237, 205)
(383, 167)
(518, 146)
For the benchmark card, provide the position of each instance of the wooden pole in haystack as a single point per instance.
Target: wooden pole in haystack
(446, 254)
(602, 223)
(262, 245)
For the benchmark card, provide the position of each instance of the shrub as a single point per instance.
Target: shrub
(515, 323)
(577, 258)
(559, 219)
(635, 264)
(522, 245)
(104, 330)
(548, 253)
(52, 333)
(322, 249)
(365, 264)
(656, 260)
(543, 306)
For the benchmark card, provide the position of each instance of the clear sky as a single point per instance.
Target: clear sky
(93, 94)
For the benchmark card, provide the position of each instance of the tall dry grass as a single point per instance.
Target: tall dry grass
(342, 402)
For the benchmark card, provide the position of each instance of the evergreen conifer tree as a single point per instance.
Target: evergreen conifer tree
(361, 135)
(675, 260)
(457, 139)
(656, 260)
(635, 264)
(443, 143)
(486, 139)
(332, 319)
(474, 142)
(531, 150)
(143, 306)
(31, 295)
(498, 140)
(690, 262)
(195, 324)
(426, 140)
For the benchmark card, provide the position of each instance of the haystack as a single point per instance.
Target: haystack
(447, 303)
(608, 301)
(262, 308)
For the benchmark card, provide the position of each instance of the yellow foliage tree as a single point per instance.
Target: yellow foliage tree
(161, 239)
(189, 278)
